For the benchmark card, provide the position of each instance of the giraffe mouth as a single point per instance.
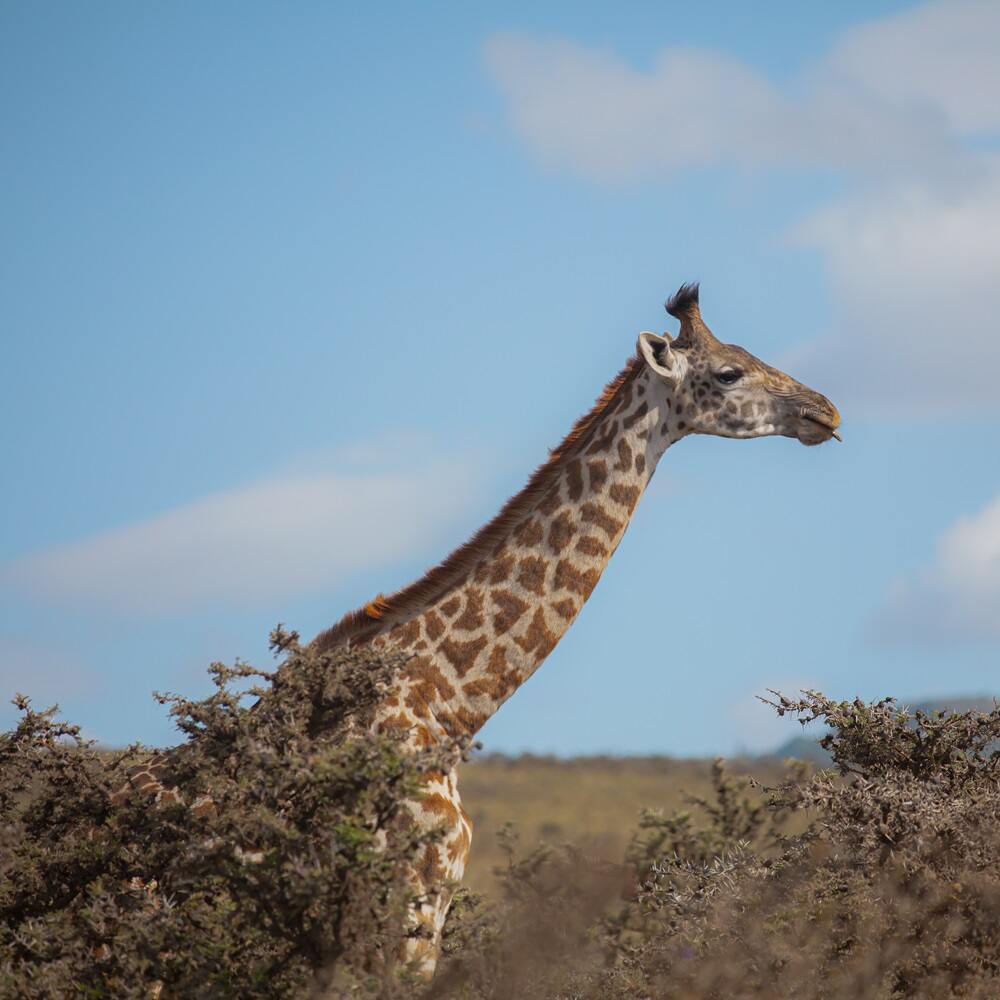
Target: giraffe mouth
(818, 429)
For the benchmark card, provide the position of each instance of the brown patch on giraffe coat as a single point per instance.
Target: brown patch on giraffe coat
(427, 678)
(479, 687)
(472, 721)
(406, 633)
(451, 606)
(551, 502)
(146, 778)
(398, 723)
(433, 625)
(537, 637)
(498, 680)
(603, 442)
(598, 470)
(529, 533)
(462, 721)
(594, 514)
(574, 479)
(462, 655)
(581, 582)
(144, 782)
(591, 546)
(169, 797)
(429, 869)
(531, 574)
(511, 608)
(481, 572)
(417, 703)
(640, 464)
(627, 496)
(203, 806)
(589, 435)
(566, 608)
(440, 806)
(624, 456)
(502, 569)
(637, 414)
(472, 617)
(561, 532)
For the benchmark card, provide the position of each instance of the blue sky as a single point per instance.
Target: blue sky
(291, 298)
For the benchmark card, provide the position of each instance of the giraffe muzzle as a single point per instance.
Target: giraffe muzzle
(816, 427)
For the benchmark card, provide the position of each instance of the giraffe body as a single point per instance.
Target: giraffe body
(478, 625)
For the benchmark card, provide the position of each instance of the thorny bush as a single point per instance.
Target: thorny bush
(890, 886)
(288, 884)
(877, 878)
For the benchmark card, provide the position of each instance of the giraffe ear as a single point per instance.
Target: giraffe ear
(656, 352)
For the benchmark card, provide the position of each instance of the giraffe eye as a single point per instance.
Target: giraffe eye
(729, 375)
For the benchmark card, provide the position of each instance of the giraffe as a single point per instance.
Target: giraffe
(481, 622)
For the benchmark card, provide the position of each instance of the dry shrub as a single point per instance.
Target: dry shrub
(877, 878)
(288, 885)
(891, 890)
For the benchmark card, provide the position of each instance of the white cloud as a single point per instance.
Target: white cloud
(958, 595)
(591, 112)
(940, 55)
(914, 271)
(285, 535)
(911, 248)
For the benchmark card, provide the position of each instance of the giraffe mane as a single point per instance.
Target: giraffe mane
(370, 618)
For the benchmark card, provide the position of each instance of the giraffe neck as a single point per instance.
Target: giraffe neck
(478, 638)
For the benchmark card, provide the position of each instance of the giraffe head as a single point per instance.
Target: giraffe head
(724, 390)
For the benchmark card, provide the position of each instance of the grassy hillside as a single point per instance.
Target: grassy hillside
(592, 802)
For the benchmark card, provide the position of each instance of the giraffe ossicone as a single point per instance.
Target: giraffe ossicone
(482, 621)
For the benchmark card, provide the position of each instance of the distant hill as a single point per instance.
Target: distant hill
(807, 747)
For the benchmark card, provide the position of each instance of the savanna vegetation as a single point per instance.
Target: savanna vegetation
(877, 877)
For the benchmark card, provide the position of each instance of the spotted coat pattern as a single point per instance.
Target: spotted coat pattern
(486, 633)
(479, 624)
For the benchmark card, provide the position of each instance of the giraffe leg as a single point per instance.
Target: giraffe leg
(440, 868)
